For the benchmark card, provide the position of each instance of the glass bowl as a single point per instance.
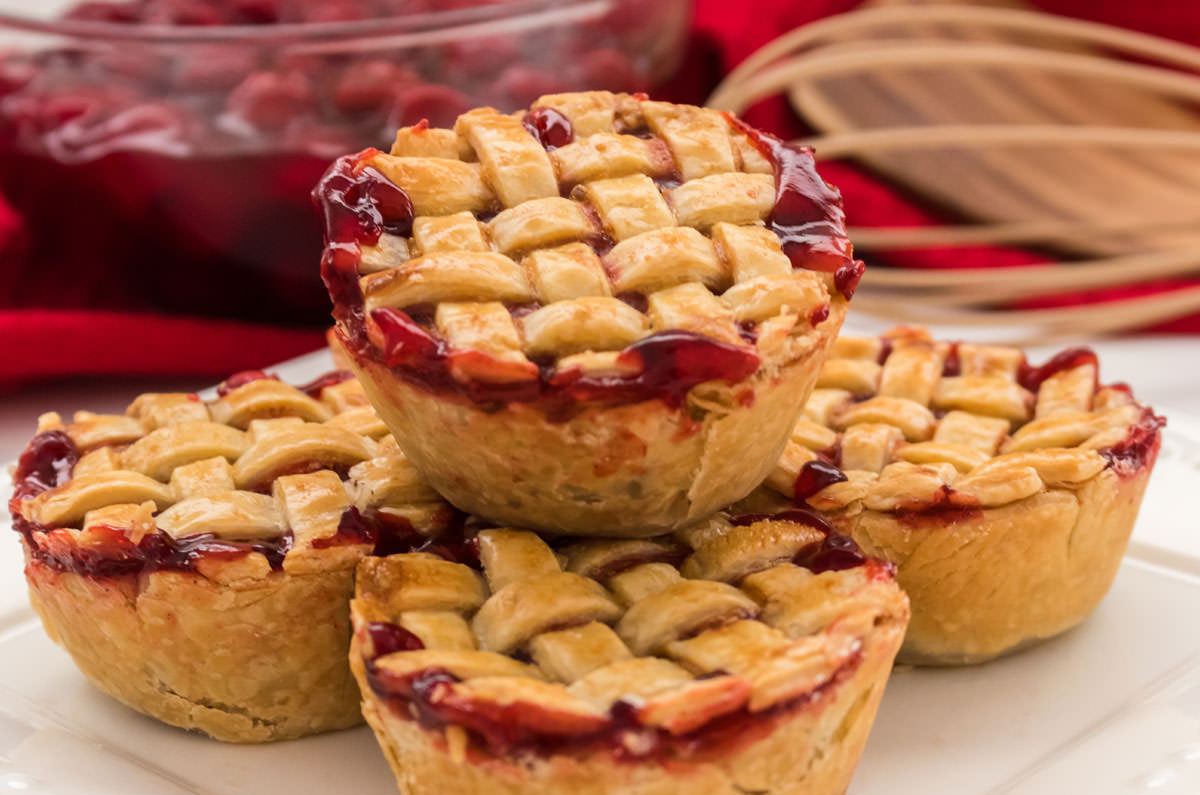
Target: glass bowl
(168, 166)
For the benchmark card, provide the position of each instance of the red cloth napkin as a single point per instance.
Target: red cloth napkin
(41, 343)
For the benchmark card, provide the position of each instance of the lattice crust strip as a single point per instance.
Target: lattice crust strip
(913, 423)
(570, 632)
(665, 203)
(263, 460)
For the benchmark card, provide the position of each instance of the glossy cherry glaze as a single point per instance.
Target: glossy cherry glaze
(1139, 448)
(814, 476)
(672, 554)
(808, 214)
(241, 379)
(550, 127)
(512, 729)
(504, 729)
(334, 377)
(952, 365)
(1032, 377)
(109, 552)
(47, 461)
(885, 350)
(389, 638)
(359, 204)
(664, 366)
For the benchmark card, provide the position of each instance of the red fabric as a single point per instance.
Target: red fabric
(42, 343)
(45, 343)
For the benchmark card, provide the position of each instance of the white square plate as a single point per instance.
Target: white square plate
(1110, 708)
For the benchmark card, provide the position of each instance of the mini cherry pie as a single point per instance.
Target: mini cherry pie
(598, 317)
(1005, 493)
(196, 558)
(746, 654)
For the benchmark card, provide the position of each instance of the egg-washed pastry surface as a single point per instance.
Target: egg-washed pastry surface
(607, 291)
(746, 654)
(1005, 492)
(196, 557)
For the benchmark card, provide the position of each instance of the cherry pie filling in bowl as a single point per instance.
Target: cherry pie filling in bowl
(573, 318)
(191, 132)
(748, 653)
(1004, 492)
(196, 558)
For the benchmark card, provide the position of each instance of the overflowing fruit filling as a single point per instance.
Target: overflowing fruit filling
(179, 483)
(682, 648)
(906, 424)
(600, 248)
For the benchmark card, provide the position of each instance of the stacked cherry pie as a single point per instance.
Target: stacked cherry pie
(1005, 493)
(746, 654)
(196, 558)
(599, 317)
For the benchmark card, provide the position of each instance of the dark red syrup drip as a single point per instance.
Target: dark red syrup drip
(885, 349)
(358, 205)
(314, 388)
(832, 454)
(47, 461)
(847, 277)
(389, 638)
(389, 534)
(551, 128)
(636, 300)
(672, 555)
(835, 553)
(748, 331)
(669, 364)
(518, 311)
(819, 315)
(241, 379)
(111, 553)
(508, 730)
(952, 366)
(808, 216)
(454, 544)
(814, 476)
(1032, 377)
(1139, 448)
(664, 365)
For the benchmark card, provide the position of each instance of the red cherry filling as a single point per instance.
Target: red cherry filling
(514, 728)
(808, 214)
(1139, 448)
(314, 388)
(1032, 377)
(110, 553)
(241, 379)
(814, 476)
(389, 638)
(550, 127)
(46, 462)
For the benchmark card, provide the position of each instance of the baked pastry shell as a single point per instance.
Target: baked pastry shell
(992, 581)
(986, 582)
(244, 660)
(622, 471)
(810, 749)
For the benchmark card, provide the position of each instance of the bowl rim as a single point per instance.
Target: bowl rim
(443, 25)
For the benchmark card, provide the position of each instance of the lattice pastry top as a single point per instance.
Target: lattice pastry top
(592, 245)
(262, 477)
(635, 641)
(903, 423)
